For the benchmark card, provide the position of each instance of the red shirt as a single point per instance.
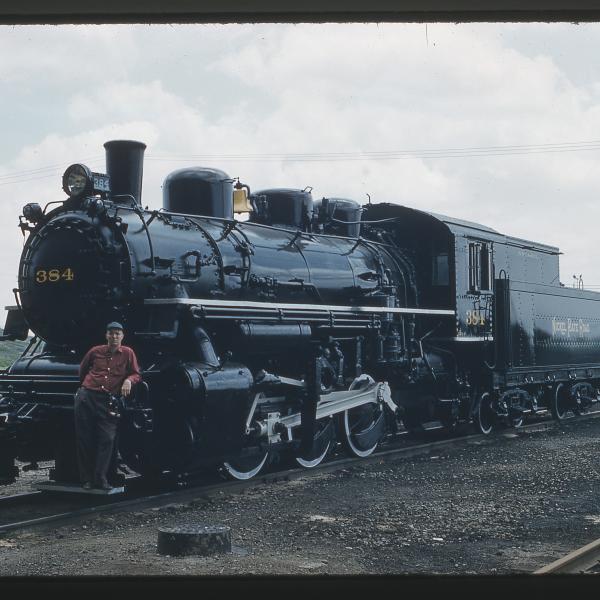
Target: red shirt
(102, 371)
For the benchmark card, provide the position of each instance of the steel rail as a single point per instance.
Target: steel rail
(578, 561)
(16, 498)
(206, 491)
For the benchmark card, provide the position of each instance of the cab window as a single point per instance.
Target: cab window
(480, 266)
(440, 270)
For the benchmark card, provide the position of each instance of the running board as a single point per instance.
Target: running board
(228, 309)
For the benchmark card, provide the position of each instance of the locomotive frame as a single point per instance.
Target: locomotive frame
(312, 323)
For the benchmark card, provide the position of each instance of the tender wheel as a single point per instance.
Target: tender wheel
(485, 417)
(322, 444)
(559, 403)
(361, 428)
(246, 467)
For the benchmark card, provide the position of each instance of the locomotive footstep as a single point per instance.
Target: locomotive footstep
(75, 488)
(199, 540)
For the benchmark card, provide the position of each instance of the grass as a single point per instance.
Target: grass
(10, 351)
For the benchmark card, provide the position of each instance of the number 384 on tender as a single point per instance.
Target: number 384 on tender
(475, 317)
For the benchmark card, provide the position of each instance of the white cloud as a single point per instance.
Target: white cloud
(71, 56)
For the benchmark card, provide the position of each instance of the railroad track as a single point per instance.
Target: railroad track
(34, 509)
(581, 561)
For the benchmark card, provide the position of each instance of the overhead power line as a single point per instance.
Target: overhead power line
(41, 172)
(41, 169)
(407, 154)
(393, 154)
(55, 174)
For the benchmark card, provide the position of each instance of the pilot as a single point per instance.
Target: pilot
(105, 371)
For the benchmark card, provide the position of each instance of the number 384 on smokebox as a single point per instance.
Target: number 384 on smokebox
(53, 275)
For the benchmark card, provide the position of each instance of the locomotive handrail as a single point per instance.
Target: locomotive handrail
(140, 213)
(264, 225)
(297, 307)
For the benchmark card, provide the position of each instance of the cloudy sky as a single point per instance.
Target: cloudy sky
(494, 123)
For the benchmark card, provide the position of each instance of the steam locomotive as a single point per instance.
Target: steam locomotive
(297, 326)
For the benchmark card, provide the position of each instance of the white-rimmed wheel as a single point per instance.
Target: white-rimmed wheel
(246, 467)
(362, 428)
(249, 464)
(322, 443)
(559, 402)
(485, 417)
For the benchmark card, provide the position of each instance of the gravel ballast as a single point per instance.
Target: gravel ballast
(507, 504)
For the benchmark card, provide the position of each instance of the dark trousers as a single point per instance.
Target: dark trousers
(95, 432)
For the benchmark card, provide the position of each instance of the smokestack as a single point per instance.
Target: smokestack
(124, 166)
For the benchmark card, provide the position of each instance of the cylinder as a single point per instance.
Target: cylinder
(124, 166)
(199, 540)
(199, 191)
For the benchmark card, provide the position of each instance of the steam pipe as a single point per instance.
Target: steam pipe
(204, 347)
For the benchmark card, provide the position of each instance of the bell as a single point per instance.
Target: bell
(241, 203)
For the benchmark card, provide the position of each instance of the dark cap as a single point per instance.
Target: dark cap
(114, 325)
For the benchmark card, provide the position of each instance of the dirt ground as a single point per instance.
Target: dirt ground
(507, 505)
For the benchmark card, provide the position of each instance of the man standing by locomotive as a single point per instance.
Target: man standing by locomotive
(104, 372)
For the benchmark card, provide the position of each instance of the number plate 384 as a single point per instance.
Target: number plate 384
(54, 275)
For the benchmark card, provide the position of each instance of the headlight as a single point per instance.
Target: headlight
(77, 180)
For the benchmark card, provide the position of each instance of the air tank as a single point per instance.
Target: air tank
(199, 191)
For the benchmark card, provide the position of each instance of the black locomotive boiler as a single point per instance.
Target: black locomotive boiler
(311, 323)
